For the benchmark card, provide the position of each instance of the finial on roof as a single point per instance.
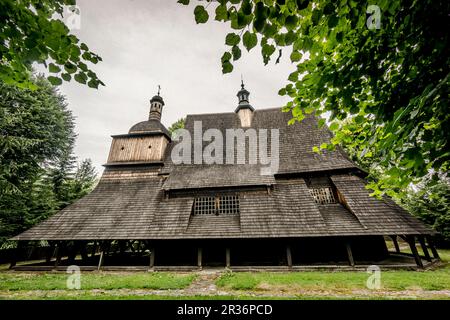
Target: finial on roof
(243, 97)
(156, 105)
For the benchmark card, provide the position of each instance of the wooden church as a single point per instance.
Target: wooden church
(149, 212)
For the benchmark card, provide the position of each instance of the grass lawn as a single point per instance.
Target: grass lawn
(430, 284)
(438, 279)
(90, 281)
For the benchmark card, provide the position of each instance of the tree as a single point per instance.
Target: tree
(179, 124)
(382, 66)
(431, 204)
(31, 33)
(36, 162)
(84, 180)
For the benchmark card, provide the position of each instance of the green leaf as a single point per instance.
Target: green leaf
(268, 49)
(53, 68)
(81, 78)
(334, 126)
(227, 67)
(250, 40)
(333, 21)
(201, 15)
(293, 77)
(93, 84)
(246, 7)
(236, 53)
(183, 2)
(66, 76)
(296, 56)
(54, 80)
(226, 57)
(315, 149)
(221, 13)
(232, 39)
(70, 67)
(84, 47)
(291, 22)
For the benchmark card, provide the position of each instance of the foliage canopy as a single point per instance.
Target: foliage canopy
(389, 81)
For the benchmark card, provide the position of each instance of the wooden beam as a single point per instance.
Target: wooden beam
(83, 251)
(227, 257)
(152, 258)
(424, 248)
(289, 256)
(350, 254)
(395, 241)
(433, 248)
(100, 260)
(58, 254)
(50, 252)
(412, 245)
(15, 256)
(199, 257)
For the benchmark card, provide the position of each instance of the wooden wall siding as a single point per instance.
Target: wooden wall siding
(147, 148)
(129, 174)
(246, 116)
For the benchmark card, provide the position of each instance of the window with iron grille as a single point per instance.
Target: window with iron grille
(228, 204)
(323, 195)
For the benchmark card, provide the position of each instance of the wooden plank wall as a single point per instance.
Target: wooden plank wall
(147, 148)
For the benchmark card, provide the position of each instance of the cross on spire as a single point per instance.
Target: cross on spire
(159, 89)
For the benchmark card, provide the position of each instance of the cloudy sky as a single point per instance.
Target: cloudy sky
(144, 43)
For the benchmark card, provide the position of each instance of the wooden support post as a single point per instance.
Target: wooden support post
(50, 252)
(289, 256)
(72, 253)
(433, 248)
(100, 260)
(350, 254)
(58, 254)
(424, 248)
(94, 249)
(16, 255)
(83, 251)
(199, 258)
(152, 258)
(412, 245)
(227, 257)
(394, 240)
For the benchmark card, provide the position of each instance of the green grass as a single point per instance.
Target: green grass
(338, 281)
(89, 281)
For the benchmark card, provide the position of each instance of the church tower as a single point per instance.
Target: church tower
(145, 142)
(244, 109)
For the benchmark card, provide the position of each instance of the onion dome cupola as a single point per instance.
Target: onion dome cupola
(244, 109)
(145, 142)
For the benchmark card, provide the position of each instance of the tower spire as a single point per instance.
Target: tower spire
(156, 105)
(243, 95)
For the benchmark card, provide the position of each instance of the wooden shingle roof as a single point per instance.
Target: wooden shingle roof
(137, 202)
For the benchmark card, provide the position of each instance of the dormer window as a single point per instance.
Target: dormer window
(323, 195)
(217, 205)
(322, 190)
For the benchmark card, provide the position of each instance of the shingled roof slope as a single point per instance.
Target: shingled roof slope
(296, 143)
(137, 209)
